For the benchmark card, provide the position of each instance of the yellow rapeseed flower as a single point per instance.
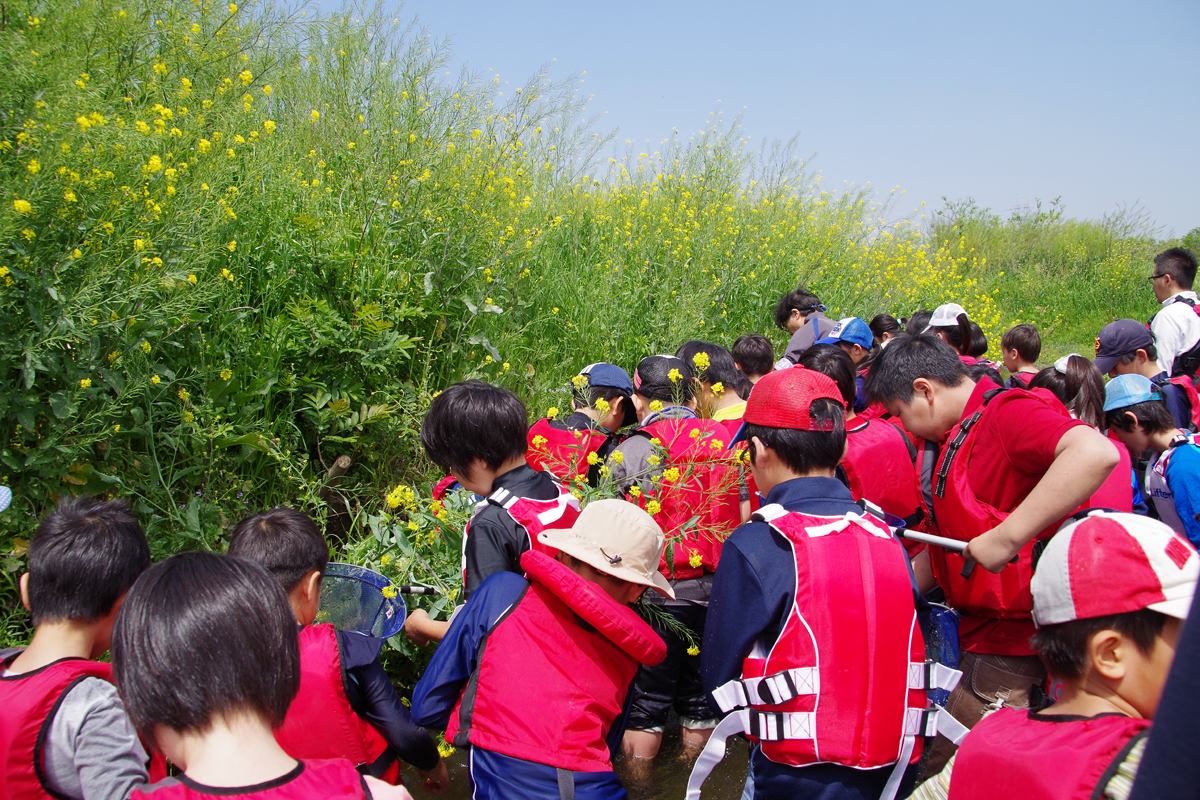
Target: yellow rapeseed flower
(183, 394)
(227, 275)
(188, 416)
(675, 376)
(226, 374)
(656, 405)
(316, 115)
(155, 379)
(617, 457)
(389, 592)
(552, 412)
(653, 507)
(22, 207)
(247, 76)
(232, 245)
(701, 360)
(192, 279)
(269, 126)
(695, 559)
(85, 383)
(693, 651)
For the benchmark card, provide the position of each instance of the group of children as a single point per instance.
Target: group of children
(777, 537)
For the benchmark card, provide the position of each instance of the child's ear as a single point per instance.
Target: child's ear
(922, 387)
(1142, 357)
(1108, 651)
(24, 583)
(1132, 417)
(310, 586)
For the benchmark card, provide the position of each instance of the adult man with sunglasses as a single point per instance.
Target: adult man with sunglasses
(1176, 326)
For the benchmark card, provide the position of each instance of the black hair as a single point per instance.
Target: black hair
(84, 556)
(1151, 354)
(916, 324)
(884, 323)
(977, 372)
(908, 358)
(587, 397)
(800, 300)
(1023, 338)
(979, 342)
(831, 360)
(960, 336)
(201, 635)
(1081, 389)
(1152, 415)
(805, 451)
(1179, 262)
(720, 369)
(1063, 648)
(283, 541)
(474, 420)
(654, 373)
(754, 353)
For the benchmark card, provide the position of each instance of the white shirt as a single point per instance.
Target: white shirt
(1176, 329)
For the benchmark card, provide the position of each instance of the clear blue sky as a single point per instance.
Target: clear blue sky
(1097, 102)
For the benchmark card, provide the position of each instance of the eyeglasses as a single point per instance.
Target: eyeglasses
(1156, 277)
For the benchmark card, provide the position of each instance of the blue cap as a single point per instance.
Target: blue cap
(610, 375)
(850, 330)
(1128, 390)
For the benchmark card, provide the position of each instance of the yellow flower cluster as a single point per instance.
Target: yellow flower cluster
(402, 496)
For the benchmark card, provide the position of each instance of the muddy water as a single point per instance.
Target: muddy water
(668, 781)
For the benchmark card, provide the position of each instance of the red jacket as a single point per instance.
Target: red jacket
(704, 495)
(879, 464)
(28, 701)
(328, 780)
(320, 723)
(546, 688)
(1015, 753)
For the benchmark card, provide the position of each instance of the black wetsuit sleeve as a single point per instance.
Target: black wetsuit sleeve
(491, 547)
(373, 698)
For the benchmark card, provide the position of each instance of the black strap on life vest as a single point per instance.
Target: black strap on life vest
(952, 449)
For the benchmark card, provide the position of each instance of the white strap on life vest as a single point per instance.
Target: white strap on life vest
(767, 725)
(771, 690)
(932, 675)
(871, 524)
(770, 512)
(929, 722)
(506, 499)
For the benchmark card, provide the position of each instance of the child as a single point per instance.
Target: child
(681, 470)
(346, 706)
(205, 656)
(476, 432)
(1109, 597)
(534, 675)
(1127, 347)
(716, 374)
(998, 492)
(812, 643)
(64, 732)
(853, 336)
(600, 400)
(802, 315)
(1020, 347)
(1138, 417)
(884, 328)
(949, 322)
(754, 355)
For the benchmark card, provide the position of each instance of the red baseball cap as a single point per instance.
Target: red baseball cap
(782, 399)
(1113, 563)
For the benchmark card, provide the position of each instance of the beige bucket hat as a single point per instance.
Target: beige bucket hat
(617, 538)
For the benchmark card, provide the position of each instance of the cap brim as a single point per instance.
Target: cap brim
(740, 436)
(1105, 363)
(1176, 607)
(560, 540)
(828, 340)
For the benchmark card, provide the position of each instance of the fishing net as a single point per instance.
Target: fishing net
(352, 599)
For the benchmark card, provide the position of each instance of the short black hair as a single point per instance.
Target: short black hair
(1063, 647)
(801, 300)
(805, 451)
(918, 322)
(84, 556)
(1180, 263)
(754, 353)
(981, 370)
(884, 323)
(283, 541)
(720, 369)
(1025, 339)
(201, 635)
(1152, 415)
(1151, 354)
(474, 420)
(586, 398)
(831, 360)
(652, 379)
(908, 358)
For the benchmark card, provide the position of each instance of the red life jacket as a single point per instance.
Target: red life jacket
(534, 516)
(561, 452)
(880, 466)
(335, 780)
(1193, 397)
(705, 495)
(28, 701)
(320, 723)
(1117, 490)
(845, 681)
(546, 688)
(1010, 755)
(732, 426)
(961, 515)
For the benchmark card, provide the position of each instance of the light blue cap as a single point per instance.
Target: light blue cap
(1128, 390)
(851, 330)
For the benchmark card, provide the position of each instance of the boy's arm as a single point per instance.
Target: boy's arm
(1083, 459)
(436, 694)
(373, 697)
(489, 549)
(738, 613)
(93, 732)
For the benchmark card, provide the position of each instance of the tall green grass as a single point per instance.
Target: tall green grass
(237, 243)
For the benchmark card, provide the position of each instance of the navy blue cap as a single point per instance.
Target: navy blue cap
(1119, 338)
(610, 375)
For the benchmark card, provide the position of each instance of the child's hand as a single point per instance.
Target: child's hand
(385, 791)
(992, 549)
(437, 780)
(415, 626)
